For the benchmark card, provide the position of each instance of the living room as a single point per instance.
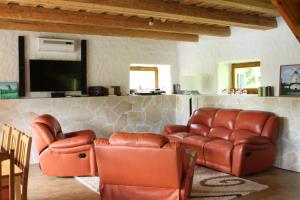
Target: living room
(156, 76)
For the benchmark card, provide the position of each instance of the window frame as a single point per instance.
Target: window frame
(148, 69)
(235, 66)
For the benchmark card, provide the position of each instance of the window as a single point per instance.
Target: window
(246, 76)
(143, 78)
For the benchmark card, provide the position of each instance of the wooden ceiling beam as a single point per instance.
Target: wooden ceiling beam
(31, 14)
(290, 11)
(262, 6)
(160, 9)
(94, 30)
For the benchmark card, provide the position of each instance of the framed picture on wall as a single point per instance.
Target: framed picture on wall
(8, 90)
(289, 80)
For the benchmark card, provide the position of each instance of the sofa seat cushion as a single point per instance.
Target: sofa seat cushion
(217, 154)
(197, 142)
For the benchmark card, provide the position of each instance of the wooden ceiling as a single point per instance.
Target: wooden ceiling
(179, 20)
(290, 10)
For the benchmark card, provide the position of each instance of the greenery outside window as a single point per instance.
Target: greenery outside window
(246, 76)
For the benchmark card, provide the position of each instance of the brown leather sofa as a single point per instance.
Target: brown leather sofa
(232, 141)
(142, 166)
(69, 154)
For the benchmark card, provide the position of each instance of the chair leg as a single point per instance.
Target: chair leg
(24, 192)
(18, 187)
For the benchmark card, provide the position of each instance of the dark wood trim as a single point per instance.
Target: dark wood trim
(243, 65)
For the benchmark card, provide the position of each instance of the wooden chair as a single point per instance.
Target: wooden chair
(22, 161)
(14, 141)
(6, 137)
(4, 172)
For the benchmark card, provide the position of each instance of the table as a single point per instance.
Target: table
(5, 177)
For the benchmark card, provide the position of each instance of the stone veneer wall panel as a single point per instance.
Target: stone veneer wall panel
(104, 115)
(288, 108)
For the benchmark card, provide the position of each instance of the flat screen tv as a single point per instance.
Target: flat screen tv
(55, 76)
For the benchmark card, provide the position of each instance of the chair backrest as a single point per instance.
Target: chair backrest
(146, 160)
(4, 156)
(45, 130)
(22, 161)
(6, 134)
(232, 124)
(14, 141)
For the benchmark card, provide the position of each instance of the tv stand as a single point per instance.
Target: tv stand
(57, 94)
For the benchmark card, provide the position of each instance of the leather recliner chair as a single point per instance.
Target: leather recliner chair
(229, 140)
(69, 154)
(143, 166)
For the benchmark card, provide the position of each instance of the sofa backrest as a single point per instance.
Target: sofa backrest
(139, 160)
(201, 121)
(233, 124)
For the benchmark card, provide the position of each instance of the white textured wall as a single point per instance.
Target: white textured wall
(108, 57)
(272, 47)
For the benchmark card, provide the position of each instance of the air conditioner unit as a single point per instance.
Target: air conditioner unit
(59, 45)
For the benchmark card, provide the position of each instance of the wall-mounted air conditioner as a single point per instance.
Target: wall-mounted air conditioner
(59, 45)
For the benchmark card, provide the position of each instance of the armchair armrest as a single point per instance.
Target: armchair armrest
(255, 140)
(101, 142)
(85, 133)
(74, 139)
(169, 129)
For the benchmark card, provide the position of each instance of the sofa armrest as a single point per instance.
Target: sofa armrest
(169, 129)
(255, 140)
(74, 140)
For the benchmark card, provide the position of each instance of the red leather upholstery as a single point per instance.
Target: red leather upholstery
(229, 140)
(59, 153)
(5, 193)
(142, 166)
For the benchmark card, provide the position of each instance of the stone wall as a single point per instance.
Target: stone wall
(288, 108)
(104, 115)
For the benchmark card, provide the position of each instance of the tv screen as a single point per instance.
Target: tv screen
(53, 75)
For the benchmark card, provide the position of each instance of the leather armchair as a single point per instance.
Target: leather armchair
(69, 154)
(230, 140)
(143, 166)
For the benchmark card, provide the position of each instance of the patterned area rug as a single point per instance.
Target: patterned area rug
(207, 185)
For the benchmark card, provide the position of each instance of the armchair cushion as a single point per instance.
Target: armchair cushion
(74, 139)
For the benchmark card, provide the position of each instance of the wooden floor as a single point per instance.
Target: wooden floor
(282, 185)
